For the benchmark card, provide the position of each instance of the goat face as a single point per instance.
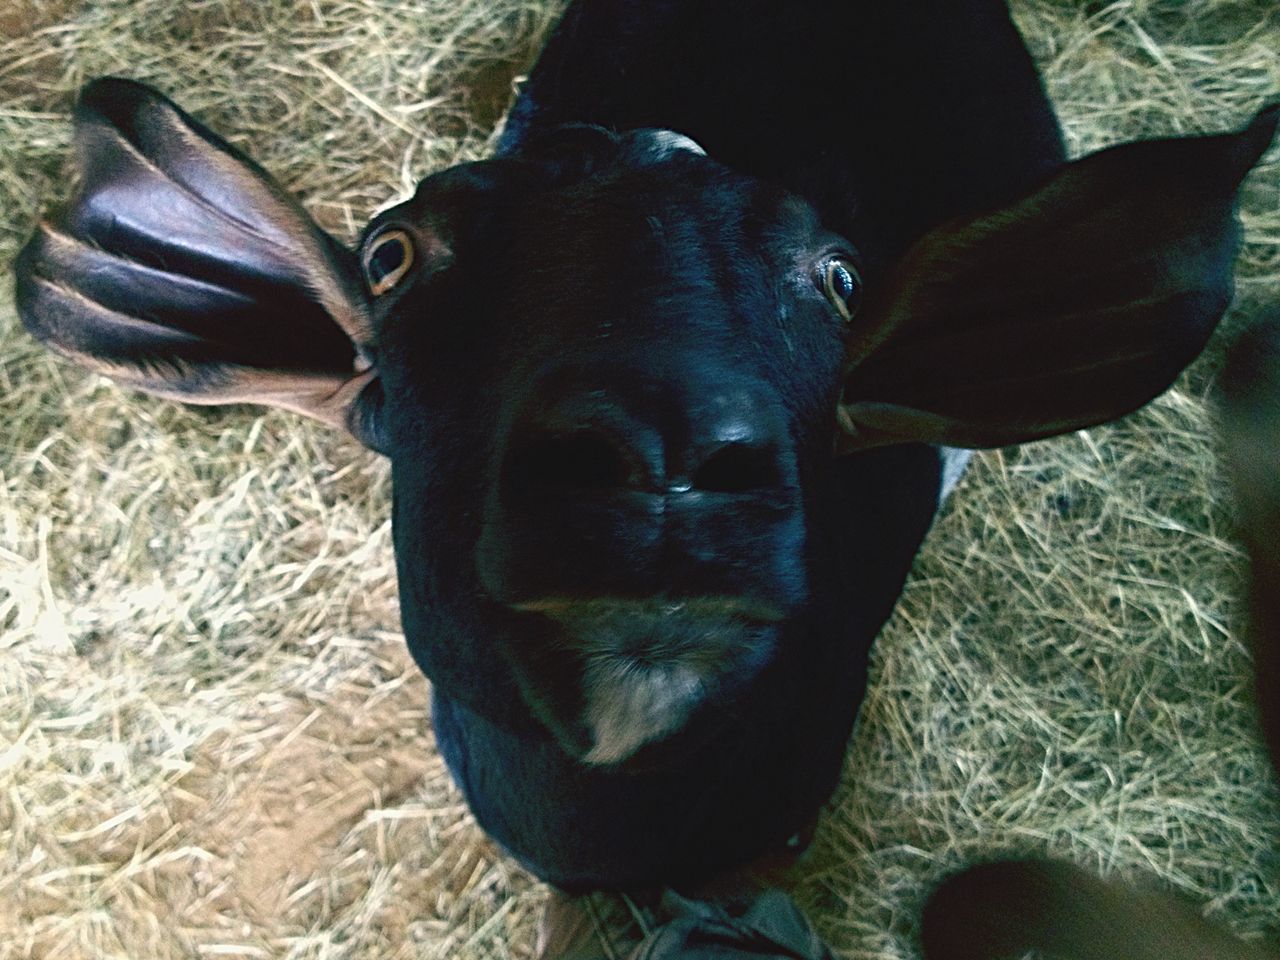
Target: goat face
(606, 374)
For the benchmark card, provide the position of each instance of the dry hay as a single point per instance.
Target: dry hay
(212, 743)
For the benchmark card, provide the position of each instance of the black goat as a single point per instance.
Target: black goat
(663, 382)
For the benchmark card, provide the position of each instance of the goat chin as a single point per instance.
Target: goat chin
(640, 669)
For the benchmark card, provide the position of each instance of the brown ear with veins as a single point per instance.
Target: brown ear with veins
(182, 268)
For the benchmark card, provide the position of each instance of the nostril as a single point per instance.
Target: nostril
(739, 468)
(583, 460)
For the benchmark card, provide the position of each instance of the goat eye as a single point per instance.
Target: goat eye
(842, 284)
(387, 260)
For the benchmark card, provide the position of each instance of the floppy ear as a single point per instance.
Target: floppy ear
(1250, 403)
(1003, 910)
(182, 268)
(1071, 306)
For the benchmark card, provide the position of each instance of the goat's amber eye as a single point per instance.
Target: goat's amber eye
(840, 281)
(387, 259)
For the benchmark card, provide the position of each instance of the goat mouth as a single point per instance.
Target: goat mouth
(570, 610)
(615, 676)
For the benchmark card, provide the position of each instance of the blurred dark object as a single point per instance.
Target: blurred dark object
(1006, 909)
(1250, 423)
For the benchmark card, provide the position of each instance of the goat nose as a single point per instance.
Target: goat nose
(652, 437)
(736, 442)
(584, 443)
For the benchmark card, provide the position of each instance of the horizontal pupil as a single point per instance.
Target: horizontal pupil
(842, 281)
(386, 258)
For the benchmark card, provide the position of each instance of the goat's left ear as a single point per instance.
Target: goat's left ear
(1072, 306)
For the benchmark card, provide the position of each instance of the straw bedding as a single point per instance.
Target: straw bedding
(212, 743)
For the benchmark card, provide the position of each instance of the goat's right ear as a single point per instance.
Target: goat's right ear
(182, 268)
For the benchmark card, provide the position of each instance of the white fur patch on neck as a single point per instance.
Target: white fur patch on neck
(629, 705)
(668, 141)
(954, 461)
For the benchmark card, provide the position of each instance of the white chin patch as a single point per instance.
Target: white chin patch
(629, 705)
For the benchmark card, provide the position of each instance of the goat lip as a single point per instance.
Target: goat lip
(565, 609)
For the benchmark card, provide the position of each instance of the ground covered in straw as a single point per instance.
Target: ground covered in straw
(212, 743)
